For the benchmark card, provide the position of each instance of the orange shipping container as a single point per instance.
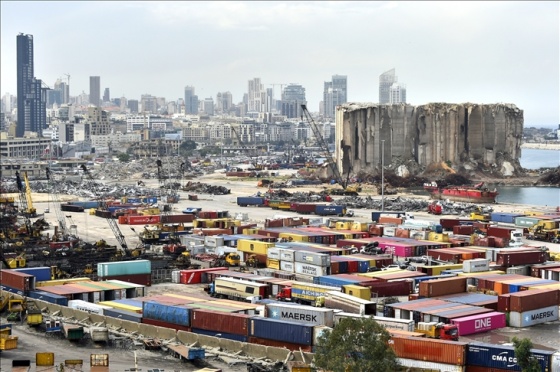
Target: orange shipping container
(430, 350)
(394, 220)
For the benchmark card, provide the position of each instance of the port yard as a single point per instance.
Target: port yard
(90, 227)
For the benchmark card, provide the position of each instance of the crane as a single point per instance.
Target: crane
(56, 203)
(25, 195)
(112, 222)
(329, 158)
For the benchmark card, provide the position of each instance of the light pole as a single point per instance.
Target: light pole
(382, 178)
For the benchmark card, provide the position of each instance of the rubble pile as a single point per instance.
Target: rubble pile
(204, 188)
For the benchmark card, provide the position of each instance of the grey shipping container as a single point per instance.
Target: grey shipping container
(301, 314)
(318, 259)
(533, 317)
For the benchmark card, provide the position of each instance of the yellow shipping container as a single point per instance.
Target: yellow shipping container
(44, 359)
(273, 264)
(149, 211)
(190, 298)
(357, 291)
(49, 283)
(346, 225)
(435, 237)
(377, 274)
(359, 226)
(294, 237)
(119, 306)
(546, 286)
(8, 343)
(436, 270)
(250, 231)
(493, 272)
(253, 246)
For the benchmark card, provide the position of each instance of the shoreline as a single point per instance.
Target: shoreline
(553, 146)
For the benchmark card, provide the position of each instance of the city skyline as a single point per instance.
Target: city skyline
(437, 49)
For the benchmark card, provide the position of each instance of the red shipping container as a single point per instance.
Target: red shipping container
(280, 344)
(197, 276)
(429, 349)
(159, 323)
(123, 220)
(520, 258)
(17, 280)
(335, 267)
(177, 218)
(234, 323)
(387, 289)
(470, 368)
(533, 299)
(142, 279)
(143, 220)
(402, 233)
(442, 287)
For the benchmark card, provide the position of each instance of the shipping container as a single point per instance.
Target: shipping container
(219, 334)
(350, 304)
(300, 314)
(123, 315)
(479, 323)
(287, 266)
(308, 269)
(429, 349)
(88, 307)
(245, 201)
(318, 259)
(141, 279)
(520, 258)
(280, 344)
(197, 276)
(502, 356)
(40, 273)
(174, 314)
(533, 300)
(232, 323)
(144, 220)
(160, 323)
(476, 265)
(19, 281)
(442, 287)
(124, 268)
(49, 297)
(429, 366)
(281, 330)
(533, 317)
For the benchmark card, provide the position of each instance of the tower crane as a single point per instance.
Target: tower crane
(346, 190)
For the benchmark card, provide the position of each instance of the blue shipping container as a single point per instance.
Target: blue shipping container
(281, 330)
(124, 268)
(167, 313)
(503, 357)
(129, 302)
(41, 274)
(504, 217)
(249, 200)
(333, 281)
(227, 336)
(123, 315)
(49, 297)
(329, 210)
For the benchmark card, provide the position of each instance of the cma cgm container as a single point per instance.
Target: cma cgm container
(218, 322)
(281, 330)
(166, 313)
(502, 356)
(429, 349)
(124, 268)
(533, 317)
(300, 314)
(41, 274)
(480, 323)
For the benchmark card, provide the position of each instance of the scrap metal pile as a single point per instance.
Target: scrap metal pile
(204, 188)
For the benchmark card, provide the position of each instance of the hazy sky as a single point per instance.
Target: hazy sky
(481, 52)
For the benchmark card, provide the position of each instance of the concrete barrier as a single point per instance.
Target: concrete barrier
(96, 318)
(148, 330)
(208, 341)
(254, 350)
(230, 345)
(277, 353)
(187, 338)
(130, 326)
(113, 322)
(69, 313)
(166, 333)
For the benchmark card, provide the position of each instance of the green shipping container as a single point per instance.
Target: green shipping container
(124, 268)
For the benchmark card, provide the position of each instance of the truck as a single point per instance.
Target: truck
(305, 293)
(330, 210)
(377, 214)
(512, 235)
(438, 330)
(257, 201)
(237, 289)
(7, 341)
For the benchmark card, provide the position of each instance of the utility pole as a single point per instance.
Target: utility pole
(382, 177)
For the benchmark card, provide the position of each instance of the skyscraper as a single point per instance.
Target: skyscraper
(106, 95)
(31, 95)
(386, 80)
(335, 93)
(95, 90)
(191, 101)
(293, 96)
(397, 93)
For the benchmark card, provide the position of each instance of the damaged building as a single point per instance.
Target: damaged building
(413, 138)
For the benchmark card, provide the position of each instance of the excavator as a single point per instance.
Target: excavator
(350, 190)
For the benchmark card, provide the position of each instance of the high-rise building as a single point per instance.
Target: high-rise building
(386, 80)
(335, 93)
(224, 102)
(63, 88)
(133, 106)
(256, 96)
(191, 101)
(397, 93)
(98, 121)
(106, 95)
(208, 106)
(95, 90)
(293, 96)
(31, 95)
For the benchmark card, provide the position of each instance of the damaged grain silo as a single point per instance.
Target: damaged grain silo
(414, 138)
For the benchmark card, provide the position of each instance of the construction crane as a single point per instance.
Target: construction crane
(346, 190)
(112, 222)
(26, 203)
(63, 231)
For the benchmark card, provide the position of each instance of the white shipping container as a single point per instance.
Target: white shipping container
(318, 259)
(88, 307)
(533, 317)
(432, 366)
(389, 231)
(213, 241)
(287, 254)
(392, 323)
(273, 253)
(312, 270)
(287, 266)
(519, 270)
(555, 365)
(176, 276)
(301, 314)
(419, 234)
(476, 265)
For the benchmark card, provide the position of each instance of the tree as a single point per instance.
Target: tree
(187, 147)
(123, 157)
(525, 359)
(357, 345)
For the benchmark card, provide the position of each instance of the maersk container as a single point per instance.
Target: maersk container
(313, 270)
(480, 323)
(301, 314)
(49, 297)
(120, 268)
(41, 274)
(502, 356)
(227, 336)
(281, 330)
(533, 317)
(318, 259)
(123, 315)
(167, 313)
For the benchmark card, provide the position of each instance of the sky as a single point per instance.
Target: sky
(480, 52)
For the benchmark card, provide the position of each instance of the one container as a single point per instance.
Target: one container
(16, 280)
(442, 287)
(480, 323)
(49, 297)
(281, 330)
(301, 314)
(533, 317)
(287, 266)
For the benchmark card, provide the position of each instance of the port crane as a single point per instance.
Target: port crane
(346, 190)
(112, 222)
(27, 209)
